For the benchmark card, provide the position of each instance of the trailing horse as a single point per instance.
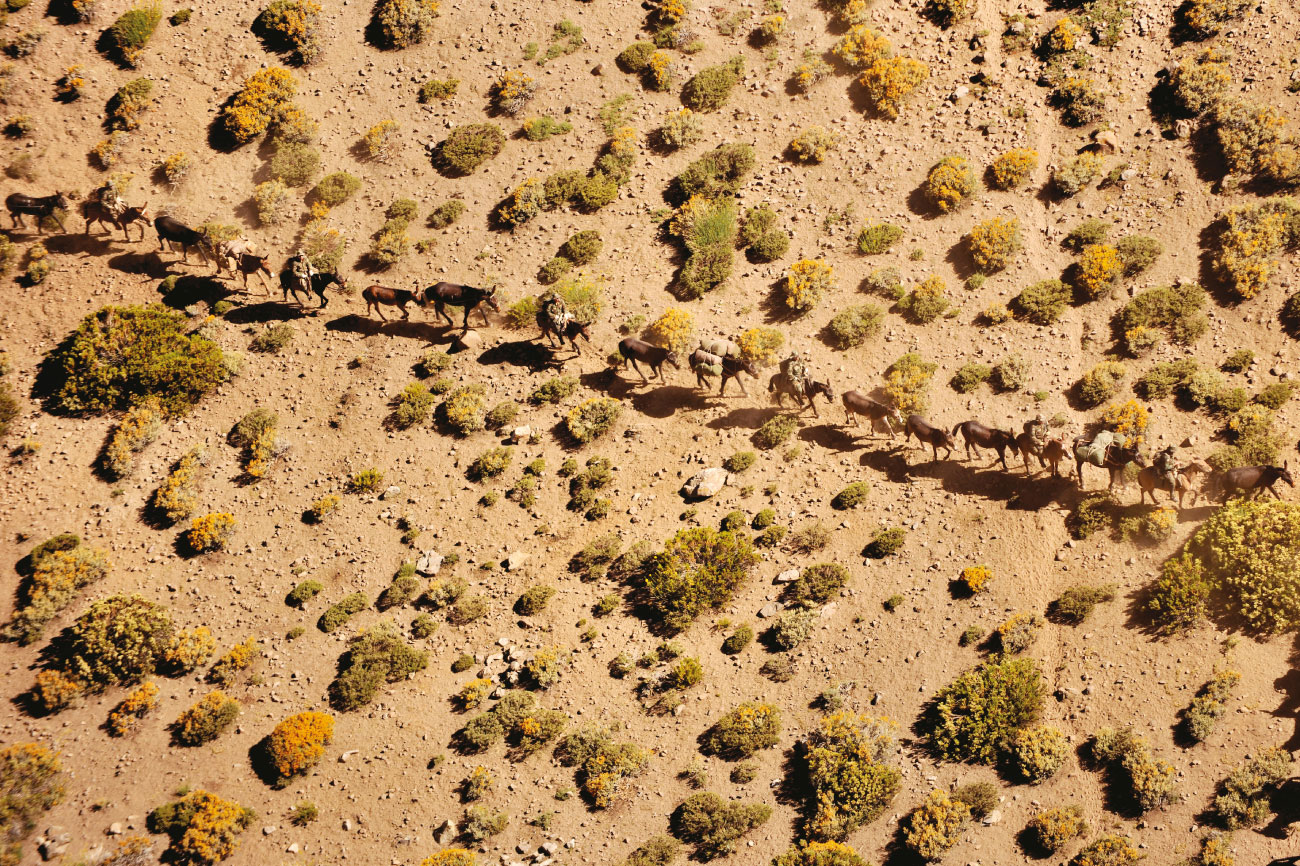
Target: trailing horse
(977, 436)
(706, 364)
(1255, 480)
(1151, 479)
(443, 295)
(927, 433)
(654, 357)
(1107, 450)
(856, 403)
(37, 206)
(173, 231)
(319, 283)
(376, 295)
(248, 264)
(573, 329)
(93, 211)
(781, 386)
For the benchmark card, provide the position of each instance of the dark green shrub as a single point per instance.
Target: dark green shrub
(878, 238)
(490, 463)
(534, 600)
(886, 542)
(403, 23)
(714, 825)
(1275, 396)
(467, 147)
(817, 584)
(438, 89)
(852, 496)
(206, 719)
(303, 593)
(855, 325)
(740, 733)
(583, 247)
(1238, 362)
(770, 246)
(698, 569)
(1164, 378)
(736, 642)
(1043, 302)
(849, 778)
(709, 88)
(657, 851)
(554, 390)
(636, 57)
(969, 377)
(1244, 796)
(341, 611)
(739, 462)
(1086, 234)
(334, 189)
(1075, 605)
(467, 609)
(775, 431)
(1101, 383)
(1138, 253)
(719, 172)
(976, 716)
(131, 32)
(118, 641)
(374, 657)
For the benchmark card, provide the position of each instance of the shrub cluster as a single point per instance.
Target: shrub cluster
(979, 714)
(55, 573)
(1053, 829)
(1075, 605)
(237, 659)
(851, 781)
(264, 97)
(403, 23)
(293, 26)
(813, 143)
(206, 719)
(603, 765)
(204, 828)
(1077, 173)
(877, 238)
(1175, 310)
(375, 656)
(1151, 780)
(131, 32)
(707, 230)
(1210, 704)
(698, 569)
(1101, 383)
(118, 641)
(1243, 799)
(715, 826)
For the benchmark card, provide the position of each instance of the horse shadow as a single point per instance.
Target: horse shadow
(264, 311)
(520, 353)
(80, 244)
(148, 265)
(666, 400)
(829, 436)
(190, 290)
(748, 418)
(355, 323)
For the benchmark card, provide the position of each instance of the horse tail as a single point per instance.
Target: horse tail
(956, 428)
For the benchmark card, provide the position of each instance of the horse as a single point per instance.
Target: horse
(1051, 454)
(925, 432)
(93, 211)
(247, 264)
(1151, 479)
(782, 386)
(654, 357)
(1106, 452)
(39, 207)
(174, 231)
(232, 249)
(289, 282)
(977, 436)
(1255, 479)
(453, 295)
(572, 330)
(375, 295)
(856, 403)
(705, 364)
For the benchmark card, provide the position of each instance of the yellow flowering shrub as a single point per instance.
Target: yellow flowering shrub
(813, 143)
(935, 825)
(474, 693)
(450, 857)
(806, 282)
(659, 71)
(380, 140)
(210, 532)
(976, 578)
(821, 853)
(1013, 168)
(1039, 753)
(524, 202)
(299, 742)
(465, 409)
(1129, 418)
(862, 46)
(477, 784)
(669, 12)
(135, 706)
(1107, 851)
(771, 27)
(55, 690)
(1064, 37)
(56, 578)
(403, 23)
(177, 497)
(204, 827)
(204, 720)
(749, 727)
(994, 243)
(907, 383)
(889, 81)
(807, 75)
(1098, 270)
(761, 345)
(674, 329)
(1248, 132)
(1053, 828)
(927, 301)
(263, 95)
(31, 782)
(950, 183)
(238, 658)
(512, 91)
(1253, 237)
(850, 780)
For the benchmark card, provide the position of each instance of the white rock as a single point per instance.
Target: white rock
(521, 434)
(516, 560)
(706, 484)
(788, 576)
(429, 563)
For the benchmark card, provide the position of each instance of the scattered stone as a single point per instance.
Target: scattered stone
(390, 492)
(115, 829)
(468, 340)
(429, 563)
(343, 758)
(993, 817)
(706, 484)
(789, 576)
(768, 611)
(521, 434)
(516, 560)
(447, 832)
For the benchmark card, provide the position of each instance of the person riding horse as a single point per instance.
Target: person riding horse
(1167, 465)
(556, 312)
(107, 196)
(302, 269)
(795, 370)
(1037, 430)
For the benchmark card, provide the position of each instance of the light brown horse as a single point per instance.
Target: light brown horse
(93, 211)
(248, 264)
(375, 295)
(856, 403)
(1151, 479)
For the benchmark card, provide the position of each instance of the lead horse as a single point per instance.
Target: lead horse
(1107, 450)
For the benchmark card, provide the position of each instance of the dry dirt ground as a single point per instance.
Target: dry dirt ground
(384, 802)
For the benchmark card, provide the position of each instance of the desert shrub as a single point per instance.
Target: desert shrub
(680, 129)
(583, 247)
(736, 642)
(403, 23)
(1150, 779)
(1079, 100)
(775, 431)
(341, 611)
(978, 715)
(806, 282)
(206, 719)
(854, 325)
(926, 301)
(120, 355)
(975, 578)
(935, 825)
(1200, 81)
(850, 781)
(56, 578)
(674, 329)
(761, 345)
(698, 569)
(657, 851)
(1243, 798)
(888, 81)
(709, 88)
(295, 26)
(210, 532)
(1052, 829)
(1018, 633)
(412, 406)
(298, 743)
(1178, 310)
(204, 827)
(303, 592)
(878, 238)
(1014, 168)
(739, 462)
(603, 765)
(490, 463)
(1042, 303)
(375, 656)
(861, 46)
(1101, 383)
(465, 409)
(1076, 174)
(264, 95)
(1210, 704)
(367, 480)
(467, 609)
(446, 214)
(634, 58)
(512, 92)
(813, 143)
(950, 183)
(1038, 753)
(719, 172)
(438, 89)
(188, 649)
(55, 691)
(1098, 270)
(1009, 374)
(117, 641)
(1252, 238)
(534, 600)
(1138, 253)
(128, 103)
(1075, 605)
(469, 146)
(132, 708)
(596, 191)
(554, 390)
(770, 246)
(592, 418)
(820, 854)
(1085, 234)
(1238, 362)
(907, 382)
(31, 783)
(683, 674)
(994, 243)
(714, 825)
(238, 658)
(131, 32)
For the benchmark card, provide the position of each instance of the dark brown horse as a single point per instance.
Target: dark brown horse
(978, 436)
(1255, 480)
(289, 282)
(93, 211)
(443, 295)
(706, 364)
(376, 295)
(1114, 459)
(173, 231)
(1051, 454)
(1151, 479)
(781, 386)
(37, 206)
(856, 403)
(654, 357)
(248, 264)
(927, 433)
(573, 329)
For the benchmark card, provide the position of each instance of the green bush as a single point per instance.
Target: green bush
(1151, 779)
(1085, 234)
(491, 463)
(131, 32)
(1075, 605)
(770, 246)
(636, 57)
(404, 588)
(709, 88)
(534, 600)
(544, 127)
(852, 496)
(467, 609)
(935, 825)
(1274, 396)
(1043, 302)
(1138, 253)
(775, 431)
(886, 542)
(438, 89)
(1243, 799)
(1052, 829)
(1038, 753)
(341, 611)
(555, 390)
(119, 640)
(736, 642)
(206, 719)
(403, 23)
(1210, 704)
(739, 462)
(120, 355)
(855, 325)
(698, 569)
(1179, 311)
(878, 238)
(467, 147)
(969, 377)
(334, 189)
(603, 765)
(583, 247)
(1101, 383)
(31, 783)
(56, 577)
(721, 171)
(592, 418)
(1075, 175)
(743, 731)
(850, 782)
(817, 584)
(130, 100)
(714, 825)
(303, 593)
(979, 714)
(926, 302)
(374, 657)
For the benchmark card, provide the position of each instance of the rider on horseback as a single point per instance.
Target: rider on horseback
(301, 267)
(796, 372)
(107, 196)
(1167, 465)
(556, 312)
(1037, 430)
